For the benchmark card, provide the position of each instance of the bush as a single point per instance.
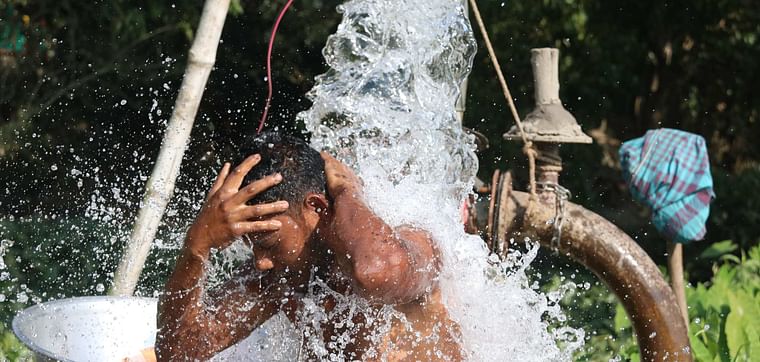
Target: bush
(725, 313)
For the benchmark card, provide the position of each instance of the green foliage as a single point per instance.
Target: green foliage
(720, 249)
(43, 259)
(725, 313)
(52, 259)
(11, 349)
(596, 310)
(63, 106)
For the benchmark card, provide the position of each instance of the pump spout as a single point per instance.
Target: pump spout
(618, 261)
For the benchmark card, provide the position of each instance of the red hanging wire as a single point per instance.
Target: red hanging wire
(269, 64)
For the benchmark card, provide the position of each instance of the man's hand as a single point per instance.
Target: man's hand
(225, 214)
(340, 178)
(188, 329)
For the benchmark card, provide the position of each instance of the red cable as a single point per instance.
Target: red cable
(269, 64)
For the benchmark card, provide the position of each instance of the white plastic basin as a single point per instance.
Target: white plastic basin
(88, 328)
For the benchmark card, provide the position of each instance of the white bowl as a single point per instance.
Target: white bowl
(88, 328)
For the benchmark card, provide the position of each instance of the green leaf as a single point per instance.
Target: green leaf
(730, 258)
(236, 8)
(701, 353)
(740, 325)
(631, 353)
(622, 321)
(718, 249)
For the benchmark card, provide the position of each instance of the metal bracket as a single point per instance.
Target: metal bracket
(562, 194)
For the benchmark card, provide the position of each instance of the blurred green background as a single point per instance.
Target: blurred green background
(86, 89)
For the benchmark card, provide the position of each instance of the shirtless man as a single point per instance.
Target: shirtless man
(303, 213)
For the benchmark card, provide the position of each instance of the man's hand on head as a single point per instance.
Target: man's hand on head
(340, 178)
(225, 214)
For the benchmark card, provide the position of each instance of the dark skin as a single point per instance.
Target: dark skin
(356, 250)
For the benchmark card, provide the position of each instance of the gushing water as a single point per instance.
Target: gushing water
(386, 107)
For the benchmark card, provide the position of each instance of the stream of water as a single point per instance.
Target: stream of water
(386, 107)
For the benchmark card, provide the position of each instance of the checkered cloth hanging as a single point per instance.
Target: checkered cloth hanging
(669, 171)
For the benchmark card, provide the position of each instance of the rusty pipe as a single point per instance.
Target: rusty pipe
(618, 261)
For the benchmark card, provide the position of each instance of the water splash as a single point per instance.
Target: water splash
(69, 244)
(386, 107)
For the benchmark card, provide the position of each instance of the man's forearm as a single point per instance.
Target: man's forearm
(194, 324)
(180, 303)
(188, 275)
(184, 289)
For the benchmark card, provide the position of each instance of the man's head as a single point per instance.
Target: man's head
(301, 167)
(303, 187)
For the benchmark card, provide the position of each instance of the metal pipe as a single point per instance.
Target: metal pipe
(618, 261)
(548, 168)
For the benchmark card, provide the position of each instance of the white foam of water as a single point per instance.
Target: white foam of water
(386, 107)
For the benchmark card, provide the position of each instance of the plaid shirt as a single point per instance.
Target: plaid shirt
(669, 171)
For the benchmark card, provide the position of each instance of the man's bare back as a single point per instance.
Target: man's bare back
(299, 227)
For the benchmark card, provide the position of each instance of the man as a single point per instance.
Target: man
(303, 213)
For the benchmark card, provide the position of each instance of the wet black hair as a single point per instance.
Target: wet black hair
(302, 168)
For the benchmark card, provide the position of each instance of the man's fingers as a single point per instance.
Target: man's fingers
(255, 211)
(220, 179)
(330, 161)
(236, 176)
(248, 227)
(256, 187)
(331, 165)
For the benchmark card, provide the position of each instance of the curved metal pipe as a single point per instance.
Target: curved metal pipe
(618, 261)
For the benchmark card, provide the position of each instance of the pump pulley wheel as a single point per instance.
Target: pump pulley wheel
(499, 215)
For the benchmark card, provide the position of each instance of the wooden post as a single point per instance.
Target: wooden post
(160, 186)
(675, 267)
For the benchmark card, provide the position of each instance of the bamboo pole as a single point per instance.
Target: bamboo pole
(160, 186)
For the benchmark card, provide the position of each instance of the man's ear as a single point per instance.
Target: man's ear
(317, 203)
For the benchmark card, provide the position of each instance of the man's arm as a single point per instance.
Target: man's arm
(388, 265)
(194, 324)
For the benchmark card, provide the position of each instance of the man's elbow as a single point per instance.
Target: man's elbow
(167, 348)
(183, 346)
(392, 279)
(181, 338)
